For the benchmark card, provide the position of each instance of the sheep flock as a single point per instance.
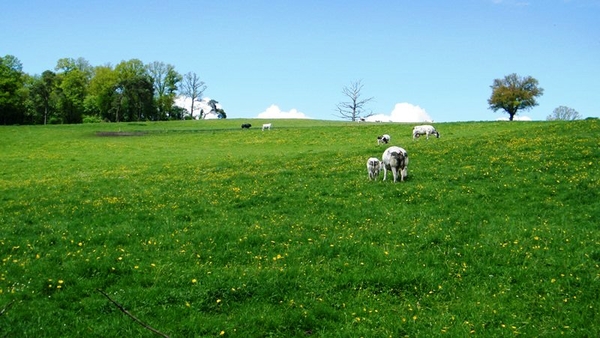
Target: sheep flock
(394, 158)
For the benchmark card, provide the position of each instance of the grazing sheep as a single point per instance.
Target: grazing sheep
(246, 126)
(425, 130)
(373, 168)
(385, 139)
(266, 126)
(396, 160)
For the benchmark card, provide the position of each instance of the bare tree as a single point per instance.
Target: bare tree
(564, 114)
(193, 88)
(352, 109)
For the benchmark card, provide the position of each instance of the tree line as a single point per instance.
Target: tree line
(76, 92)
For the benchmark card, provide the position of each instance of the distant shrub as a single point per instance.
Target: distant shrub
(91, 119)
(54, 120)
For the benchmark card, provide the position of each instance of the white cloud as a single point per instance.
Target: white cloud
(273, 112)
(403, 112)
(186, 103)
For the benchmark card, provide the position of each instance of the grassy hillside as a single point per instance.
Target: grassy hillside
(199, 228)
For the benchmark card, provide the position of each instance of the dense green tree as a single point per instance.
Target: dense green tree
(165, 80)
(66, 65)
(514, 93)
(135, 92)
(43, 95)
(564, 113)
(12, 81)
(137, 99)
(71, 94)
(102, 98)
(73, 77)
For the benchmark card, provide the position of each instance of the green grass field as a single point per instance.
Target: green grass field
(201, 229)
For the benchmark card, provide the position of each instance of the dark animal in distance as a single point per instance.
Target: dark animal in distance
(246, 126)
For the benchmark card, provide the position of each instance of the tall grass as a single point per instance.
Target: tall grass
(199, 228)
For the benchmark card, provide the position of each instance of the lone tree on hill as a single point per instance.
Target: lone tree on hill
(563, 113)
(353, 108)
(514, 93)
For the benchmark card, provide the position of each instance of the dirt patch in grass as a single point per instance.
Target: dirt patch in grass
(120, 133)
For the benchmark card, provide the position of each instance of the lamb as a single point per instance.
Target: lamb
(385, 138)
(266, 126)
(425, 130)
(396, 160)
(373, 168)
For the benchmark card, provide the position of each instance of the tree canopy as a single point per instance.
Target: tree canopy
(75, 91)
(12, 81)
(514, 93)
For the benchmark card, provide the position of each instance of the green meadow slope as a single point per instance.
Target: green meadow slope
(200, 228)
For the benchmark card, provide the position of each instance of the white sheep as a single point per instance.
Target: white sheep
(385, 138)
(424, 130)
(266, 126)
(373, 168)
(396, 160)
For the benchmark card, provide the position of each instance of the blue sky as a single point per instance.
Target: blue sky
(432, 58)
